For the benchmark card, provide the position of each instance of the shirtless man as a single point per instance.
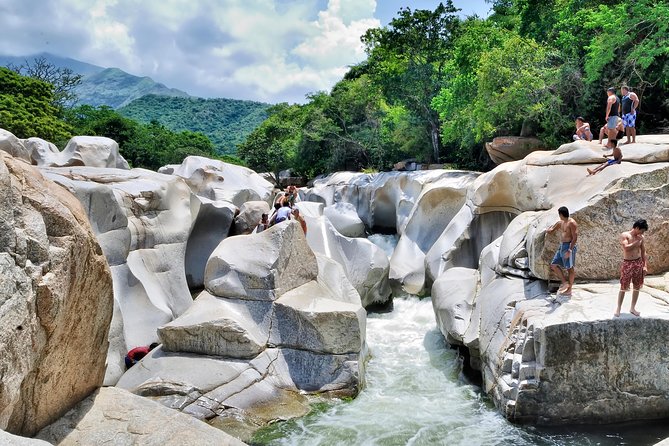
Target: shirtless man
(612, 113)
(565, 257)
(634, 266)
(629, 105)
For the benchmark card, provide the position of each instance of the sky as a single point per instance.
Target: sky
(263, 50)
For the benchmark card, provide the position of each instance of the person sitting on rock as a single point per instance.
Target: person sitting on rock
(619, 127)
(137, 353)
(298, 217)
(291, 195)
(264, 224)
(617, 159)
(582, 130)
(282, 214)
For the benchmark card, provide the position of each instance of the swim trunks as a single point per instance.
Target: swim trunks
(629, 120)
(559, 258)
(631, 271)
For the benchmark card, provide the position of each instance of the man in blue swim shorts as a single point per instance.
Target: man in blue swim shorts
(565, 257)
(617, 159)
(629, 105)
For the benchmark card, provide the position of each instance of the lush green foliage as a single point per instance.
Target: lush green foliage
(437, 87)
(27, 108)
(227, 122)
(149, 145)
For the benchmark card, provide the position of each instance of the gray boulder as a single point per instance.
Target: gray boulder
(12, 145)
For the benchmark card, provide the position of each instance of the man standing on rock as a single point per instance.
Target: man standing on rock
(634, 266)
(565, 257)
(612, 113)
(630, 103)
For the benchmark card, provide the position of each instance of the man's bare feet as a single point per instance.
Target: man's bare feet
(567, 292)
(616, 314)
(563, 287)
(590, 171)
(636, 313)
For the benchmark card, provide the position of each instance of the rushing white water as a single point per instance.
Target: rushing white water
(416, 395)
(385, 242)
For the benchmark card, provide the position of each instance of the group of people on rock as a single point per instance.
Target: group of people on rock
(620, 119)
(284, 209)
(632, 269)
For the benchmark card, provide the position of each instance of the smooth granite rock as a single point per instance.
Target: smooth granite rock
(115, 416)
(249, 216)
(453, 296)
(13, 146)
(344, 218)
(55, 300)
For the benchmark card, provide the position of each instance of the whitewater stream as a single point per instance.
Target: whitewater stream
(415, 394)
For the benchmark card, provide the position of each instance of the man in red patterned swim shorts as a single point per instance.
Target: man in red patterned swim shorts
(634, 266)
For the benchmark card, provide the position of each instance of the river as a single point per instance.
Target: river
(415, 394)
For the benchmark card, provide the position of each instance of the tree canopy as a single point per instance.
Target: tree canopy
(436, 86)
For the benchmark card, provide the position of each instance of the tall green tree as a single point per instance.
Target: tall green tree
(407, 59)
(27, 108)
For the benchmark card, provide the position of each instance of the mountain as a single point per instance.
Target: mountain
(77, 66)
(227, 122)
(116, 88)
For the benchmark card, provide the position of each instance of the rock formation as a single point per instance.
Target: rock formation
(114, 416)
(142, 220)
(512, 148)
(271, 325)
(55, 300)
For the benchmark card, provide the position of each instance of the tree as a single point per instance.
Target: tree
(273, 145)
(64, 80)
(27, 110)
(407, 59)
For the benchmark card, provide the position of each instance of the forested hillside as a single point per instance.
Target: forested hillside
(115, 88)
(436, 86)
(227, 122)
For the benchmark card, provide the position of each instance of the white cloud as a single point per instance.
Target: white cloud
(270, 50)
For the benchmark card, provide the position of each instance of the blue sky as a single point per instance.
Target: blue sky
(265, 50)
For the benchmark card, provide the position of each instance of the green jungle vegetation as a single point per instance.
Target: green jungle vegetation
(227, 122)
(30, 107)
(435, 86)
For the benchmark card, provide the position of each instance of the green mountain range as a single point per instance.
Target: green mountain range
(226, 122)
(116, 88)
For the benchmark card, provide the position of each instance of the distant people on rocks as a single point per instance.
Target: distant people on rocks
(583, 132)
(630, 104)
(264, 224)
(137, 353)
(565, 257)
(298, 217)
(634, 266)
(617, 159)
(291, 195)
(282, 214)
(612, 113)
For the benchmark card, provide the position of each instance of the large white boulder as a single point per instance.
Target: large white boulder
(365, 264)
(512, 148)
(142, 220)
(344, 218)
(42, 152)
(55, 300)
(12, 145)
(7, 439)
(545, 362)
(220, 181)
(262, 266)
(115, 416)
(453, 296)
(213, 223)
(90, 151)
(249, 216)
